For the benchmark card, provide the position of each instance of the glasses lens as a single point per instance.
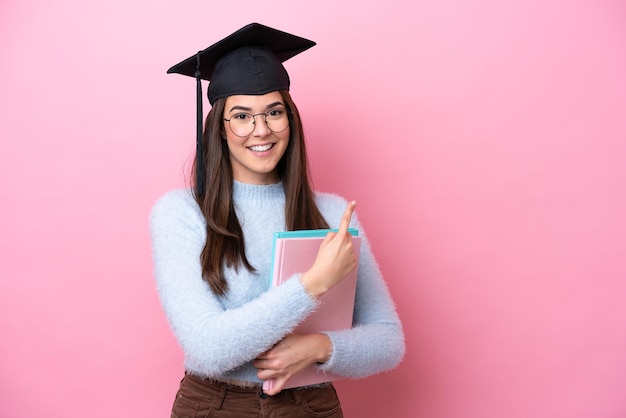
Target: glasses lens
(277, 120)
(242, 124)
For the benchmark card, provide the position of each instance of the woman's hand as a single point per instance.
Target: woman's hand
(288, 357)
(334, 260)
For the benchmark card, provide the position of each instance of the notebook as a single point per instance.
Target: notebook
(295, 252)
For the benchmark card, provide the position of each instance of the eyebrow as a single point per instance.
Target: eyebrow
(249, 109)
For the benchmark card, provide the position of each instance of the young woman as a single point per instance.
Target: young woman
(212, 249)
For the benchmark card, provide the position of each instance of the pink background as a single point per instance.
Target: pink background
(484, 141)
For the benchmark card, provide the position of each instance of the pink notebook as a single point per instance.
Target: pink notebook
(295, 252)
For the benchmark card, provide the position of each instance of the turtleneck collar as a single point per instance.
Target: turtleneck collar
(244, 192)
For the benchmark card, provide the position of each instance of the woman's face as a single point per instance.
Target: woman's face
(255, 156)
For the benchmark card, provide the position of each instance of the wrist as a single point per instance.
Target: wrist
(312, 285)
(326, 349)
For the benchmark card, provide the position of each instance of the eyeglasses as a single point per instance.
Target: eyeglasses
(243, 124)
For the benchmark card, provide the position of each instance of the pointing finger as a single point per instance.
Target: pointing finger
(347, 215)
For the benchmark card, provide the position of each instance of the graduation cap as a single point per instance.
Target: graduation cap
(249, 61)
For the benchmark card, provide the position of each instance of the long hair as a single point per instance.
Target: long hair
(224, 237)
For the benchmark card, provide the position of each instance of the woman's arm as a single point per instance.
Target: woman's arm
(216, 340)
(376, 341)
(374, 344)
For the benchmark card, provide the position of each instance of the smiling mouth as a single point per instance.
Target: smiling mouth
(261, 148)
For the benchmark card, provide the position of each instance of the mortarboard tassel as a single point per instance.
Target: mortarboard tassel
(199, 153)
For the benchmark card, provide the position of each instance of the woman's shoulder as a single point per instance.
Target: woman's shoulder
(175, 203)
(175, 197)
(332, 207)
(330, 200)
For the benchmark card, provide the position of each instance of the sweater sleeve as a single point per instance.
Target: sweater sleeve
(376, 341)
(215, 340)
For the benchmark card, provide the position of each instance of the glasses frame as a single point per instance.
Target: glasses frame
(264, 114)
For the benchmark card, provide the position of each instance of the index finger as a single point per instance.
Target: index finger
(347, 215)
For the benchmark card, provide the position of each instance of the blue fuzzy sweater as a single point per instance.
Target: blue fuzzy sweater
(220, 336)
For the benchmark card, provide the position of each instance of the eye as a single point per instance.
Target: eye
(275, 113)
(242, 117)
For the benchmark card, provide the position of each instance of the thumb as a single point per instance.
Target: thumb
(277, 385)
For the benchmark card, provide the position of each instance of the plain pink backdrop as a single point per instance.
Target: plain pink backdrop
(484, 141)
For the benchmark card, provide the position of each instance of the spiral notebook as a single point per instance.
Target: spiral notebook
(295, 252)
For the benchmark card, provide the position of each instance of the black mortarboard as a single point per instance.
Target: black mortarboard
(249, 61)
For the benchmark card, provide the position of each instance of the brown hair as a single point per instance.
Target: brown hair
(224, 242)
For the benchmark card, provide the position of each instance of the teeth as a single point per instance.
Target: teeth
(261, 148)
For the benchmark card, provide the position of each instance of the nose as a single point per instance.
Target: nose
(260, 128)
